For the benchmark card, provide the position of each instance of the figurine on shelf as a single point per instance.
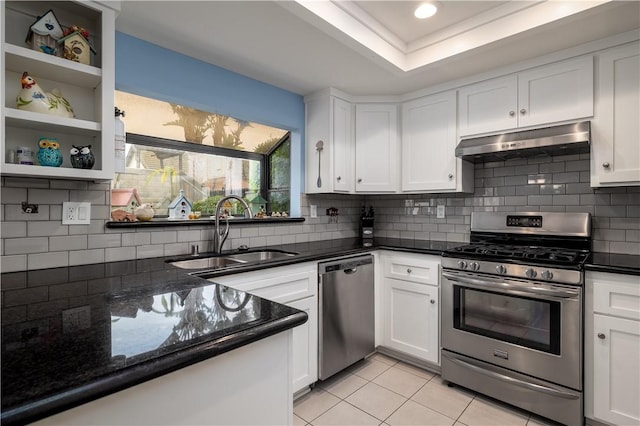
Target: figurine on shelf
(44, 34)
(33, 98)
(82, 157)
(49, 152)
(144, 213)
(75, 42)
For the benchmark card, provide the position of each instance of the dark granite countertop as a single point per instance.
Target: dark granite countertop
(72, 335)
(613, 262)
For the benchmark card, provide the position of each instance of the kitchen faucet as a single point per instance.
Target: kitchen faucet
(217, 241)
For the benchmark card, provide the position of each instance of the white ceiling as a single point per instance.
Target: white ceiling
(370, 47)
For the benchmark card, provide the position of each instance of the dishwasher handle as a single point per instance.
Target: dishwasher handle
(348, 265)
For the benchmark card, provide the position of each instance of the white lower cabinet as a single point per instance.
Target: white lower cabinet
(295, 286)
(612, 348)
(411, 305)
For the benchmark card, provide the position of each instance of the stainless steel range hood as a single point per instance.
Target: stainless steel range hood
(556, 140)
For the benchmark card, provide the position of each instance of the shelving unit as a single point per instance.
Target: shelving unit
(89, 88)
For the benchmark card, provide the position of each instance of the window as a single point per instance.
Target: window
(172, 148)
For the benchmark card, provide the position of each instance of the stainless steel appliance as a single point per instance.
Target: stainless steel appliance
(346, 322)
(512, 311)
(556, 140)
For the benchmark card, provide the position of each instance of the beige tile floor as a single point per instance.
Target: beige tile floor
(383, 391)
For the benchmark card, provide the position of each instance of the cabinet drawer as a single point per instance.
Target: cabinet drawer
(280, 287)
(423, 271)
(613, 296)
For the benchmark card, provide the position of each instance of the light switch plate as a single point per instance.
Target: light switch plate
(76, 213)
(313, 210)
(440, 212)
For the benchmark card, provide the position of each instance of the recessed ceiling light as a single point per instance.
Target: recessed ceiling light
(425, 10)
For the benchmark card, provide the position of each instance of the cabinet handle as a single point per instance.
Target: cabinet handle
(605, 165)
(408, 270)
(450, 175)
(359, 180)
(523, 111)
(512, 113)
(601, 336)
(433, 302)
(339, 178)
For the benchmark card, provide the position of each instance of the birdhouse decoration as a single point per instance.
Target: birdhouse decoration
(257, 204)
(44, 34)
(126, 199)
(75, 45)
(180, 207)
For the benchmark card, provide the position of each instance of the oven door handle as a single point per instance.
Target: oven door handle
(512, 380)
(506, 286)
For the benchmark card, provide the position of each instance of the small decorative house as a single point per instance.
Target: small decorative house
(44, 34)
(257, 204)
(180, 207)
(76, 47)
(126, 199)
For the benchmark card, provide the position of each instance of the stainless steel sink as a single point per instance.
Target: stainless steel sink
(207, 262)
(262, 255)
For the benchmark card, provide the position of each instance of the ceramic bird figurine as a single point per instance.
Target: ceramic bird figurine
(82, 157)
(33, 98)
(49, 152)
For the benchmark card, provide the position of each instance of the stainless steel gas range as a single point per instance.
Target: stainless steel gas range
(512, 311)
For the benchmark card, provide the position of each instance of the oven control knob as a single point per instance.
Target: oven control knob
(530, 273)
(475, 266)
(462, 264)
(501, 269)
(547, 275)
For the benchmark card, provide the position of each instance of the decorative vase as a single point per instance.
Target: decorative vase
(144, 213)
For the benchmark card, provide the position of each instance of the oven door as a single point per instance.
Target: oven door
(530, 327)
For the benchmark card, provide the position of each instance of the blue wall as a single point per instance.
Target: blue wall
(149, 70)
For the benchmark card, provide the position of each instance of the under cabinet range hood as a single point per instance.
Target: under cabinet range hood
(557, 140)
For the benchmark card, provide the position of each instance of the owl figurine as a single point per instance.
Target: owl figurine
(82, 157)
(49, 152)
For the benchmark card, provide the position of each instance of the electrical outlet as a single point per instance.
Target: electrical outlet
(76, 213)
(313, 210)
(440, 212)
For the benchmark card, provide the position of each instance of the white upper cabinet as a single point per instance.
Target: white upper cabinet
(615, 155)
(88, 88)
(428, 146)
(552, 93)
(376, 147)
(488, 106)
(329, 119)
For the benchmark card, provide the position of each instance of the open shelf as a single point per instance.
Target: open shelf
(50, 123)
(20, 59)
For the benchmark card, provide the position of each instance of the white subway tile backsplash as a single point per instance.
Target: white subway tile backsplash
(624, 247)
(26, 245)
(48, 196)
(53, 259)
(164, 237)
(46, 229)
(104, 240)
(74, 242)
(13, 229)
(145, 252)
(84, 257)
(13, 263)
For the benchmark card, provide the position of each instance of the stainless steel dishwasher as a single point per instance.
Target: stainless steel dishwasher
(346, 322)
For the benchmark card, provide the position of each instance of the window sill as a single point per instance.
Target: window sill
(195, 222)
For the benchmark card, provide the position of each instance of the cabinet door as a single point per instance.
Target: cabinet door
(305, 345)
(488, 106)
(317, 121)
(429, 143)
(557, 92)
(615, 158)
(616, 370)
(342, 143)
(411, 319)
(376, 142)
